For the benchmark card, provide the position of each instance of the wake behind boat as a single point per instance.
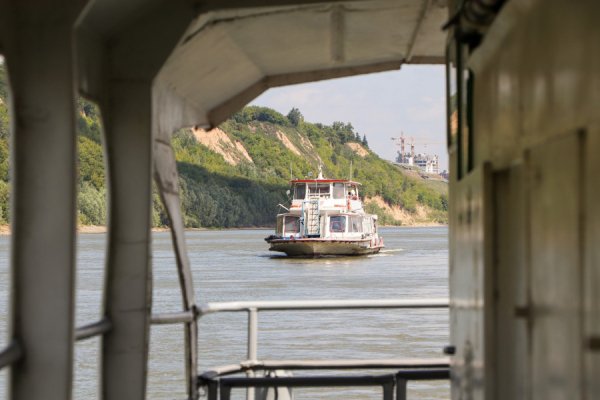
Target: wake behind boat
(326, 217)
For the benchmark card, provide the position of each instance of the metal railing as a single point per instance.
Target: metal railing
(387, 382)
(13, 352)
(94, 329)
(10, 354)
(216, 381)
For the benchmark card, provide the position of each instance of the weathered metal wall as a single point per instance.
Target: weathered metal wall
(536, 93)
(470, 284)
(511, 277)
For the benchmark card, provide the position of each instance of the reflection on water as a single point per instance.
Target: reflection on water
(235, 265)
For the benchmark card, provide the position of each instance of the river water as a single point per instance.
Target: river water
(235, 265)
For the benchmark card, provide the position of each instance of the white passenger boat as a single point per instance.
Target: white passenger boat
(326, 217)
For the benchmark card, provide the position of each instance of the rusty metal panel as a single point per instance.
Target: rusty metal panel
(554, 202)
(591, 310)
(511, 278)
(470, 282)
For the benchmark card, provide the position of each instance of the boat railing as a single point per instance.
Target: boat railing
(317, 195)
(219, 380)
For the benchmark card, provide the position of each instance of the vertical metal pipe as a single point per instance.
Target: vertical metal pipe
(252, 334)
(401, 389)
(252, 345)
(388, 391)
(212, 389)
(225, 392)
(39, 55)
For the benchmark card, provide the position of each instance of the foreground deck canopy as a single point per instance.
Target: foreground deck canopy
(153, 66)
(228, 52)
(226, 58)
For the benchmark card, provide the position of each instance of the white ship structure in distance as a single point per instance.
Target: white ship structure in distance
(326, 218)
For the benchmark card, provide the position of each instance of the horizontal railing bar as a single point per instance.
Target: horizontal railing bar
(412, 363)
(173, 318)
(10, 354)
(237, 306)
(312, 381)
(421, 375)
(234, 306)
(349, 364)
(221, 371)
(94, 329)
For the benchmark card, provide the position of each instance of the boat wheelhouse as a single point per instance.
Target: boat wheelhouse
(326, 217)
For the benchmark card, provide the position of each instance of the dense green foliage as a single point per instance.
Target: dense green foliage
(250, 191)
(217, 193)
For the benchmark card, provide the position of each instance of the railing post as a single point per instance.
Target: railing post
(388, 391)
(225, 392)
(252, 345)
(400, 389)
(212, 390)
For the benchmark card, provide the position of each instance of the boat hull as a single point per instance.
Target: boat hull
(323, 247)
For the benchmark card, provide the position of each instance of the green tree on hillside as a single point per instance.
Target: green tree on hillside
(295, 117)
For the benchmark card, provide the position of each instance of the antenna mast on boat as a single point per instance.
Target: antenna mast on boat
(350, 170)
(291, 174)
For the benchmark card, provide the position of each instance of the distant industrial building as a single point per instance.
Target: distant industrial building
(426, 162)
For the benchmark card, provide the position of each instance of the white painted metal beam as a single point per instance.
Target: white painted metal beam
(203, 6)
(234, 306)
(128, 294)
(39, 55)
(118, 71)
(168, 184)
(236, 102)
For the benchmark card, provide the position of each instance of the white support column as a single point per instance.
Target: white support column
(128, 295)
(39, 56)
(118, 65)
(168, 185)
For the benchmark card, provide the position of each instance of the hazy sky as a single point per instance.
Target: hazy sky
(379, 105)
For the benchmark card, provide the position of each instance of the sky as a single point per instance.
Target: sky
(380, 106)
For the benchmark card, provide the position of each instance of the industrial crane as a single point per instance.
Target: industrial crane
(401, 142)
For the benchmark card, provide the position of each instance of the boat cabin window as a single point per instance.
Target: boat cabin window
(279, 229)
(339, 191)
(355, 223)
(292, 224)
(300, 191)
(353, 191)
(367, 225)
(318, 190)
(337, 223)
